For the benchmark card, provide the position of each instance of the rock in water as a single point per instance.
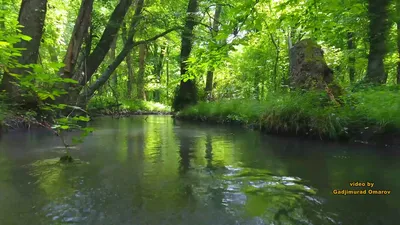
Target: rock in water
(66, 159)
(308, 69)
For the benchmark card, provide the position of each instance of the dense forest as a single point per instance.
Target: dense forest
(214, 60)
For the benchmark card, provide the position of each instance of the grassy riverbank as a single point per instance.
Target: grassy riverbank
(12, 119)
(363, 115)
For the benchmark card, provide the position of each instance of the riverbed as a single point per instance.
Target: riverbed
(155, 170)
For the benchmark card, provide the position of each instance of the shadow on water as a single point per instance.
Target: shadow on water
(158, 171)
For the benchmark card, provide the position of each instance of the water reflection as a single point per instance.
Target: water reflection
(155, 171)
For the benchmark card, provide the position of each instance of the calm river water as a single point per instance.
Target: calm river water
(159, 171)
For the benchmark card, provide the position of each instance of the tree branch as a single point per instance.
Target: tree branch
(136, 43)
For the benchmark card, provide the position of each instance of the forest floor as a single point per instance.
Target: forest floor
(368, 116)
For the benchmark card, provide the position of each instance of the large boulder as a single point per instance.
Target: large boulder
(308, 69)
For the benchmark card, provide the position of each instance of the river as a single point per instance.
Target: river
(157, 171)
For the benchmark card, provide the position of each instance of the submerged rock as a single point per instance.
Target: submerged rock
(66, 159)
(308, 69)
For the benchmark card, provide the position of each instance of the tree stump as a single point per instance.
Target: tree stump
(308, 69)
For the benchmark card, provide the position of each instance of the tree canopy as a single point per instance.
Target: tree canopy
(184, 51)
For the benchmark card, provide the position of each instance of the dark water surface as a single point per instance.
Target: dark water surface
(155, 172)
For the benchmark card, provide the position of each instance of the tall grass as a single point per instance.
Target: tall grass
(309, 113)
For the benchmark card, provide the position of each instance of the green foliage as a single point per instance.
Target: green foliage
(8, 53)
(43, 84)
(38, 84)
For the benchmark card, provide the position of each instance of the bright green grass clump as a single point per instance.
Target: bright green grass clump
(145, 106)
(104, 103)
(309, 113)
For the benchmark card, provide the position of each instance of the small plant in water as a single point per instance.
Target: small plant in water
(62, 125)
(68, 123)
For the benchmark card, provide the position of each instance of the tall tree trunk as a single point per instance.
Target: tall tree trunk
(256, 86)
(114, 80)
(378, 27)
(100, 51)
(187, 92)
(79, 33)
(158, 68)
(210, 72)
(130, 74)
(277, 48)
(128, 60)
(352, 59)
(32, 15)
(140, 76)
(167, 74)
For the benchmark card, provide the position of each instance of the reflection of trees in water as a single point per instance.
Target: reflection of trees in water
(209, 153)
(186, 154)
(186, 181)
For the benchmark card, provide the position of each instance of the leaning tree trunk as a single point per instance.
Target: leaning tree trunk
(32, 15)
(84, 73)
(79, 33)
(88, 93)
(100, 51)
(187, 92)
(210, 72)
(378, 27)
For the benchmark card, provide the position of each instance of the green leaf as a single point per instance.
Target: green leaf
(3, 43)
(64, 127)
(69, 80)
(81, 118)
(26, 38)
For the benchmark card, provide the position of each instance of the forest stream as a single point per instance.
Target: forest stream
(156, 171)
